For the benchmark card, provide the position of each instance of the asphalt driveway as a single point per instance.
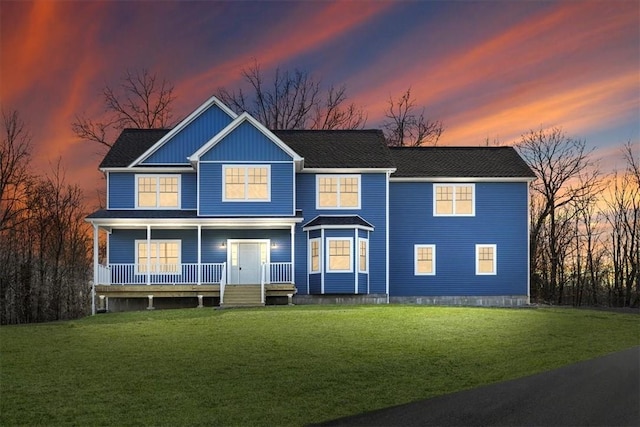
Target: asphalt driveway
(600, 392)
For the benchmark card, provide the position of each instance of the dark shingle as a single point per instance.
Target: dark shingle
(130, 145)
(339, 148)
(464, 162)
(338, 220)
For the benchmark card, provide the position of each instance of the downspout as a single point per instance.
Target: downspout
(387, 235)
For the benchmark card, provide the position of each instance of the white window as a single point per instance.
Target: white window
(453, 199)
(246, 183)
(425, 260)
(340, 253)
(160, 256)
(338, 191)
(314, 256)
(158, 191)
(363, 255)
(486, 259)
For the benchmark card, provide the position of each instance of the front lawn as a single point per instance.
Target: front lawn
(281, 365)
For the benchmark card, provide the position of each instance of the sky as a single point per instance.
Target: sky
(486, 69)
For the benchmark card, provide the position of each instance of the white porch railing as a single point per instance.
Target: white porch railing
(280, 272)
(169, 274)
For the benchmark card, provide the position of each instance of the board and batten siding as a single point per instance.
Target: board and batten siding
(122, 189)
(281, 185)
(188, 140)
(500, 219)
(373, 210)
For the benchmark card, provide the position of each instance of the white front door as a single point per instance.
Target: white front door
(245, 261)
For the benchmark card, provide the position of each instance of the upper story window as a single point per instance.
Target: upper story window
(158, 191)
(246, 183)
(338, 192)
(453, 200)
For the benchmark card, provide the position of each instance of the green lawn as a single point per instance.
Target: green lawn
(281, 365)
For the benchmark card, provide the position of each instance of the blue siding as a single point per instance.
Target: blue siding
(373, 186)
(191, 138)
(501, 219)
(211, 204)
(122, 249)
(245, 144)
(122, 190)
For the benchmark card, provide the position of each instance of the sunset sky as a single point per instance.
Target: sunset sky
(486, 69)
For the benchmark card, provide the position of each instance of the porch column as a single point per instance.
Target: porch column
(293, 254)
(199, 254)
(357, 259)
(95, 269)
(149, 257)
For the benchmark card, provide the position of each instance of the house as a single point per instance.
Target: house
(222, 211)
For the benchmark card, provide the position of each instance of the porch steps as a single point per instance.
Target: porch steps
(242, 296)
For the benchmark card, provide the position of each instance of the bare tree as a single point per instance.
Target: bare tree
(293, 100)
(565, 173)
(141, 100)
(14, 162)
(407, 126)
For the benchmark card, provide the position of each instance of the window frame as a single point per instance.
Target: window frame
(157, 242)
(328, 256)
(454, 187)
(311, 242)
(157, 179)
(246, 168)
(416, 247)
(362, 240)
(339, 177)
(494, 248)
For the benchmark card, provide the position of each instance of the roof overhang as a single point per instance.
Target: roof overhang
(161, 169)
(348, 170)
(182, 223)
(461, 179)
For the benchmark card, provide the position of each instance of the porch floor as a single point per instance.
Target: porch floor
(179, 291)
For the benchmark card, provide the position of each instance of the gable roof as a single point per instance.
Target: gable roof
(244, 117)
(338, 221)
(335, 149)
(462, 162)
(130, 145)
(183, 124)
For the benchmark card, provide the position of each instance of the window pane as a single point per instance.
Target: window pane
(363, 255)
(234, 183)
(339, 255)
(349, 192)
(315, 256)
(464, 200)
(486, 260)
(425, 260)
(444, 200)
(168, 191)
(146, 192)
(328, 192)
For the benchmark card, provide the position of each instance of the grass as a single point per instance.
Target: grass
(281, 365)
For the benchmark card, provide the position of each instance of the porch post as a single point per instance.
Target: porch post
(356, 266)
(199, 254)
(293, 253)
(149, 257)
(95, 269)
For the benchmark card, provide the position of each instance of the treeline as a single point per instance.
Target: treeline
(45, 263)
(585, 226)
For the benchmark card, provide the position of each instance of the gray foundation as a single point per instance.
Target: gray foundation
(340, 299)
(475, 301)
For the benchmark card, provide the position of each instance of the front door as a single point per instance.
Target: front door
(246, 260)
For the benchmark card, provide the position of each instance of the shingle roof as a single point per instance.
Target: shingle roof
(338, 220)
(363, 148)
(130, 145)
(464, 162)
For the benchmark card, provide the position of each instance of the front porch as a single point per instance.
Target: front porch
(191, 280)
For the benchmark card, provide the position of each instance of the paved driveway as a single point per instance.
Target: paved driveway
(598, 392)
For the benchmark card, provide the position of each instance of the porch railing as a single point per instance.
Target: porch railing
(280, 272)
(173, 274)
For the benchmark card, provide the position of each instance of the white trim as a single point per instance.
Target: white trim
(338, 227)
(454, 179)
(106, 202)
(346, 170)
(366, 242)
(322, 269)
(294, 190)
(184, 123)
(495, 259)
(328, 257)
(198, 189)
(199, 255)
(230, 242)
(415, 259)
(246, 182)
(244, 117)
(159, 169)
(293, 253)
(528, 247)
(338, 177)
(246, 162)
(157, 178)
(309, 258)
(387, 237)
(222, 222)
(455, 187)
(356, 258)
